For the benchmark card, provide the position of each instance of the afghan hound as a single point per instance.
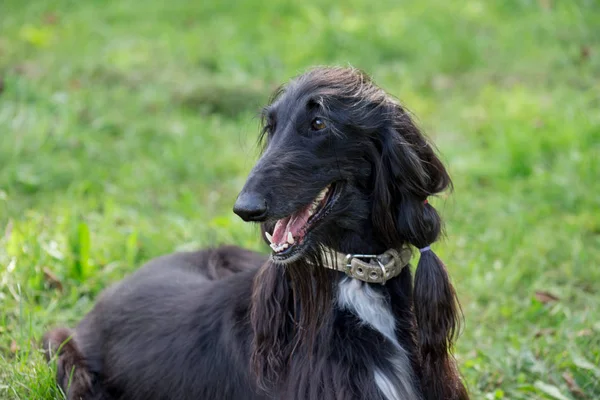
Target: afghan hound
(341, 192)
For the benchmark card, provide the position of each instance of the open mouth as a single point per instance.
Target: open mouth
(289, 234)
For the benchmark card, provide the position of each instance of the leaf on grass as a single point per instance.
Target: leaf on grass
(582, 363)
(545, 4)
(550, 390)
(74, 84)
(28, 69)
(545, 297)
(52, 279)
(14, 347)
(584, 332)
(573, 386)
(50, 19)
(584, 53)
(544, 332)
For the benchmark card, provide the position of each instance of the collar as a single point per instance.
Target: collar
(371, 268)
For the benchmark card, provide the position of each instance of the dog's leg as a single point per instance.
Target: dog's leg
(72, 375)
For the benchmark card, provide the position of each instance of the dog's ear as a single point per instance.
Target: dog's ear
(437, 312)
(407, 171)
(406, 174)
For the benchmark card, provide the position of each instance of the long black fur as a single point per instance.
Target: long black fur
(231, 324)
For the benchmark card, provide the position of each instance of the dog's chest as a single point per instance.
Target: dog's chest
(373, 309)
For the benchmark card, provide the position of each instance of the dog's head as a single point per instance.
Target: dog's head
(344, 166)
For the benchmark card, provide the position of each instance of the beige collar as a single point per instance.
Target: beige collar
(379, 269)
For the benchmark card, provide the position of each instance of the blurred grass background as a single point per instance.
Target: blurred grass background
(127, 128)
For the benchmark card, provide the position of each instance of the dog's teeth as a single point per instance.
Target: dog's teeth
(290, 238)
(269, 237)
(323, 193)
(278, 248)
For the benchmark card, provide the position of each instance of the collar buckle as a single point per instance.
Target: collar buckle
(365, 271)
(386, 266)
(349, 258)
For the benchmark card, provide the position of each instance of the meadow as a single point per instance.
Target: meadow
(127, 129)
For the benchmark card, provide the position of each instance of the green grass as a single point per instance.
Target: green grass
(127, 129)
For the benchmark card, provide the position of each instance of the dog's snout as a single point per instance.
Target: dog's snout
(251, 207)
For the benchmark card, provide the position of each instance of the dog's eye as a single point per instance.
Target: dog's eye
(269, 127)
(317, 124)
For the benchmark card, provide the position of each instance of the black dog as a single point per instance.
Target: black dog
(344, 171)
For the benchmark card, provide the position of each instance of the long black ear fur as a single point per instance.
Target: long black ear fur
(406, 174)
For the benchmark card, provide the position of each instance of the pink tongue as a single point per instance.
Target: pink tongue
(293, 224)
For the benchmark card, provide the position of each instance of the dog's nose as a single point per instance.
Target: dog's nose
(251, 207)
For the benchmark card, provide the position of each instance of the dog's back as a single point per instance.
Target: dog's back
(98, 347)
(212, 264)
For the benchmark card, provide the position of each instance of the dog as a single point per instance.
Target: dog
(341, 194)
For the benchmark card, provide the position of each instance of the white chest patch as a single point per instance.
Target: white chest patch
(373, 309)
